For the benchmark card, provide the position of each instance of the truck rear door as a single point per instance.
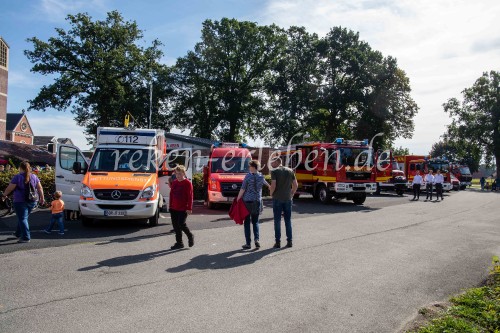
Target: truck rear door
(67, 181)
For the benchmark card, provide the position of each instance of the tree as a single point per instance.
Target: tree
(458, 150)
(293, 87)
(400, 151)
(362, 93)
(102, 73)
(224, 78)
(477, 118)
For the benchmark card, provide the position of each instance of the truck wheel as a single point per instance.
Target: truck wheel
(210, 205)
(153, 220)
(377, 191)
(359, 200)
(323, 195)
(87, 221)
(400, 192)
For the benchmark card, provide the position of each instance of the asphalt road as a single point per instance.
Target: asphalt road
(202, 218)
(352, 269)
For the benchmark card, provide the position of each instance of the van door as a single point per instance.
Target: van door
(179, 156)
(67, 181)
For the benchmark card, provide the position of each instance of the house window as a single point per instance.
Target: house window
(3, 54)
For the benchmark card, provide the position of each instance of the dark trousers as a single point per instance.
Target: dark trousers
(416, 191)
(428, 188)
(439, 191)
(179, 224)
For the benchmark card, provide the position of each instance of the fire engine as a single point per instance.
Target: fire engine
(410, 164)
(342, 169)
(224, 173)
(462, 172)
(388, 175)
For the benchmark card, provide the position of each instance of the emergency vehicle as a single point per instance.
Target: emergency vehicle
(123, 180)
(410, 164)
(224, 173)
(388, 175)
(463, 174)
(342, 169)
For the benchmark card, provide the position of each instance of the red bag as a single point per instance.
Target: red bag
(238, 211)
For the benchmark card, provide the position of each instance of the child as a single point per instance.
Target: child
(57, 209)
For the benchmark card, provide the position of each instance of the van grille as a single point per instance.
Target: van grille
(116, 207)
(114, 196)
(230, 189)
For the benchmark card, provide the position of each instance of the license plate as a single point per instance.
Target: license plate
(115, 213)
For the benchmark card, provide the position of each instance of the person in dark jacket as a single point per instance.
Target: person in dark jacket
(181, 205)
(23, 205)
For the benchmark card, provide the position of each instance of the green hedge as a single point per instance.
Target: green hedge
(46, 179)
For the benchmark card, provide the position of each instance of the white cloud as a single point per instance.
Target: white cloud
(443, 46)
(57, 10)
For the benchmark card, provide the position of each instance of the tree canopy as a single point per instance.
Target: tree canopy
(101, 72)
(476, 120)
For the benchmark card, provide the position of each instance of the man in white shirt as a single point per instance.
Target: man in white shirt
(438, 181)
(417, 181)
(429, 180)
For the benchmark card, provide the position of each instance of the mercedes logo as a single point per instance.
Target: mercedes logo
(234, 186)
(116, 194)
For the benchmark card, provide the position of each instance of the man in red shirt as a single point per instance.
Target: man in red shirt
(181, 205)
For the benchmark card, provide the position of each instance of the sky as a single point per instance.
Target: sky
(443, 46)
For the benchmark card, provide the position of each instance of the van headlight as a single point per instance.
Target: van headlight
(148, 192)
(86, 192)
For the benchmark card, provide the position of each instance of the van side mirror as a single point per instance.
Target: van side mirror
(77, 167)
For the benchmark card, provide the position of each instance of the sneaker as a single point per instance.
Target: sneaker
(23, 241)
(289, 244)
(246, 247)
(61, 233)
(177, 246)
(191, 241)
(46, 231)
(257, 244)
(277, 245)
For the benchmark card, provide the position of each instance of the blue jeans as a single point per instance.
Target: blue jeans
(285, 207)
(58, 217)
(255, 222)
(23, 210)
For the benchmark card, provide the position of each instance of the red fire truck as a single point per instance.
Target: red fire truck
(224, 173)
(388, 175)
(411, 163)
(462, 172)
(342, 169)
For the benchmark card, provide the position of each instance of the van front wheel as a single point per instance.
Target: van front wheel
(153, 220)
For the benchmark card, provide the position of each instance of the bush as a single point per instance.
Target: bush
(47, 180)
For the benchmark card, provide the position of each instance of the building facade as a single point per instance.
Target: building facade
(4, 76)
(18, 129)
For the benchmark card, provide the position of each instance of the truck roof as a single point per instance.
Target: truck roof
(139, 136)
(230, 152)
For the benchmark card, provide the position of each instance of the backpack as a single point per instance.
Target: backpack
(30, 192)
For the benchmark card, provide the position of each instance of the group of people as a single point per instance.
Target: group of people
(431, 181)
(27, 191)
(282, 188)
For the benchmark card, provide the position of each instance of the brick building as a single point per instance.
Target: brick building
(4, 76)
(18, 129)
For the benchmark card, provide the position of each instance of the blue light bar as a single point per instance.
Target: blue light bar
(244, 145)
(339, 140)
(365, 141)
(216, 144)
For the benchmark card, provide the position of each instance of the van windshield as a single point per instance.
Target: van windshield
(230, 165)
(124, 160)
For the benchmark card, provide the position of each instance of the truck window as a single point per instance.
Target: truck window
(178, 157)
(124, 160)
(69, 155)
(233, 165)
(356, 157)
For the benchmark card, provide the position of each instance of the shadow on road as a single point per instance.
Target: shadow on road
(222, 260)
(128, 260)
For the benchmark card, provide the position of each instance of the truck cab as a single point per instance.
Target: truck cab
(125, 178)
(388, 175)
(224, 173)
